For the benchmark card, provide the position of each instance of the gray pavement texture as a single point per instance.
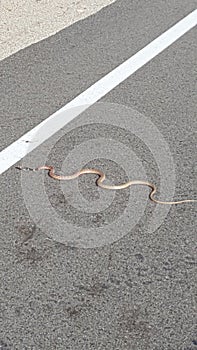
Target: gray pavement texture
(138, 293)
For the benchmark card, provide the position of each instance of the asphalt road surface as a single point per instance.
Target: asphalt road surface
(116, 275)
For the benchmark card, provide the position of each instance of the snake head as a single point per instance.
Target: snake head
(24, 168)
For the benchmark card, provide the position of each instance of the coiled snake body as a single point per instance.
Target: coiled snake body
(99, 182)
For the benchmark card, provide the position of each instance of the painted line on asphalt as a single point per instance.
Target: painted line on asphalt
(20, 148)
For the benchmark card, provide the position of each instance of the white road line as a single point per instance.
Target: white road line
(17, 150)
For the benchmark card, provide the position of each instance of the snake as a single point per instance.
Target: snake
(101, 179)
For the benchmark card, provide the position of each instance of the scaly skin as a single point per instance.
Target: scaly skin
(101, 179)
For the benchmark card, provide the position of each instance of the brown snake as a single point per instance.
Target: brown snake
(99, 182)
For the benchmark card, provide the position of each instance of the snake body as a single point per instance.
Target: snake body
(101, 179)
